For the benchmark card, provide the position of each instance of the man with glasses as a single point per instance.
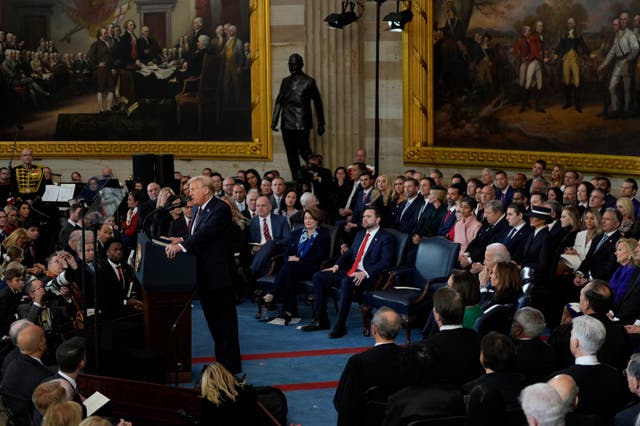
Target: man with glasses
(629, 416)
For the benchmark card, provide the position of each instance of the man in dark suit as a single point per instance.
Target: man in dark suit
(504, 191)
(148, 48)
(104, 233)
(629, 416)
(278, 188)
(117, 286)
(519, 232)
(596, 299)
(534, 358)
(127, 61)
(356, 270)
(493, 230)
(198, 30)
(208, 240)
(555, 227)
(600, 261)
(179, 227)
(268, 236)
(25, 373)
(601, 387)
(385, 365)
(405, 220)
(361, 199)
(451, 356)
(72, 223)
(455, 192)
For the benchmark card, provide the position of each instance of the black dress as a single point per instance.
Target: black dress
(242, 411)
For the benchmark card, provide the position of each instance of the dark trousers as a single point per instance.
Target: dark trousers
(296, 143)
(219, 309)
(323, 281)
(286, 280)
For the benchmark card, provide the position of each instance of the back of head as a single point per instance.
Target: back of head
(29, 339)
(95, 421)
(65, 413)
(218, 384)
(567, 390)
(497, 352)
(542, 403)
(49, 393)
(16, 327)
(467, 286)
(70, 354)
(589, 332)
(387, 323)
(531, 320)
(449, 306)
(600, 297)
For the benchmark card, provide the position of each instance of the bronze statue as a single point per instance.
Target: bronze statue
(294, 102)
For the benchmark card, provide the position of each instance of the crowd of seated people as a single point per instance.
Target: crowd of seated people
(528, 262)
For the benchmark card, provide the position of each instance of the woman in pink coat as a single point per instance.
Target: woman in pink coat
(467, 225)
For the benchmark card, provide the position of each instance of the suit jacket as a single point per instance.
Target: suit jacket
(627, 416)
(407, 221)
(383, 365)
(9, 301)
(488, 234)
(112, 294)
(603, 389)
(432, 401)
(515, 244)
(178, 227)
(534, 359)
(448, 221)
(430, 220)
(358, 204)
(67, 229)
(537, 254)
(508, 386)
(601, 264)
(17, 386)
(125, 50)
(449, 356)
(615, 351)
(148, 50)
(628, 309)
(378, 257)
(280, 230)
(508, 196)
(318, 251)
(209, 242)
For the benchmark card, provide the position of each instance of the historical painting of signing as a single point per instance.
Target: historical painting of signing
(537, 75)
(127, 70)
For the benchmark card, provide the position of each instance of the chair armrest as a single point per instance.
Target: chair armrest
(189, 85)
(392, 277)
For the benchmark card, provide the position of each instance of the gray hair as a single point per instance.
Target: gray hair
(531, 320)
(205, 39)
(77, 236)
(388, 326)
(501, 253)
(590, 332)
(15, 329)
(494, 206)
(307, 198)
(542, 402)
(634, 366)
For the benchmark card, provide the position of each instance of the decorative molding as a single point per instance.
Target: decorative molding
(418, 117)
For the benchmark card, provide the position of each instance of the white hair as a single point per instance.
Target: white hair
(307, 199)
(590, 332)
(531, 320)
(501, 253)
(542, 402)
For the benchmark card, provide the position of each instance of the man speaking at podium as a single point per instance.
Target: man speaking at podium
(209, 241)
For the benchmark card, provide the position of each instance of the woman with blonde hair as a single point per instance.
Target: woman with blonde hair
(625, 206)
(67, 413)
(225, 400)
(623, 276)
(592, 226)
(13, 254)
(12, 218)
(19, 237)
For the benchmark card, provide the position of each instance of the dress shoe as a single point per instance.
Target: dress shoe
(315, 326)
(337, 332)
(286, 317)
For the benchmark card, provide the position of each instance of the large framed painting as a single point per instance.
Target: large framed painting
(504, 82)
(193, 80)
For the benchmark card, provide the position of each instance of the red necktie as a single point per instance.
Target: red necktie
(446, 217)
(265, 230)
(120, 276)
(354, 268)
(134, 48)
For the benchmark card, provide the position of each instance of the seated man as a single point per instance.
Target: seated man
(630, 415)
(542, 405)
(534, 358)
(25, 373)
(372, 252)
(363, 370)
(268, 235)
(592, 377)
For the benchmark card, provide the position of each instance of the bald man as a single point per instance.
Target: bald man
(25, 373)
(567, 390)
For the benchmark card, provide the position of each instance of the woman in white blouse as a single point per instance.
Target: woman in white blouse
(592, 223)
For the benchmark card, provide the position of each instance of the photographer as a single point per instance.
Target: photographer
(316, 179)
(64, 274)
(50, 311)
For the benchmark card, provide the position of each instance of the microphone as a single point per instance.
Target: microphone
(19, 126)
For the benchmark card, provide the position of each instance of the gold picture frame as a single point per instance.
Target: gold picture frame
(258, 148)
(418, 105)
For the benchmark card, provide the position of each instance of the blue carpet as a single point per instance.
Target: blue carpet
(307, 407)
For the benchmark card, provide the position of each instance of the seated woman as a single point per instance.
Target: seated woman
(625, 273)
(592, 224)
(467, 285)
(24, 213)
(499, 305)
(570, 226)
(625, 206)
(12, 219)
(467, 225)
(289, 204)
(225, 400)
(307, 248)
(130, 224)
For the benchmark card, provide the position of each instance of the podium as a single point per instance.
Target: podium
(167, 289)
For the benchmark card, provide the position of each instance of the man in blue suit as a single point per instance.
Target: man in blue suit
(209, 241)
(455, 192)
(407, 217)
(356, 271)
(268, 235)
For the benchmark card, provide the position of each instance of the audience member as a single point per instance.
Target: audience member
(542, 405)
(534, 358)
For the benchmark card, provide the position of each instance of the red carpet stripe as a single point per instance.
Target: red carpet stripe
(307, 386)
(294, 354)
